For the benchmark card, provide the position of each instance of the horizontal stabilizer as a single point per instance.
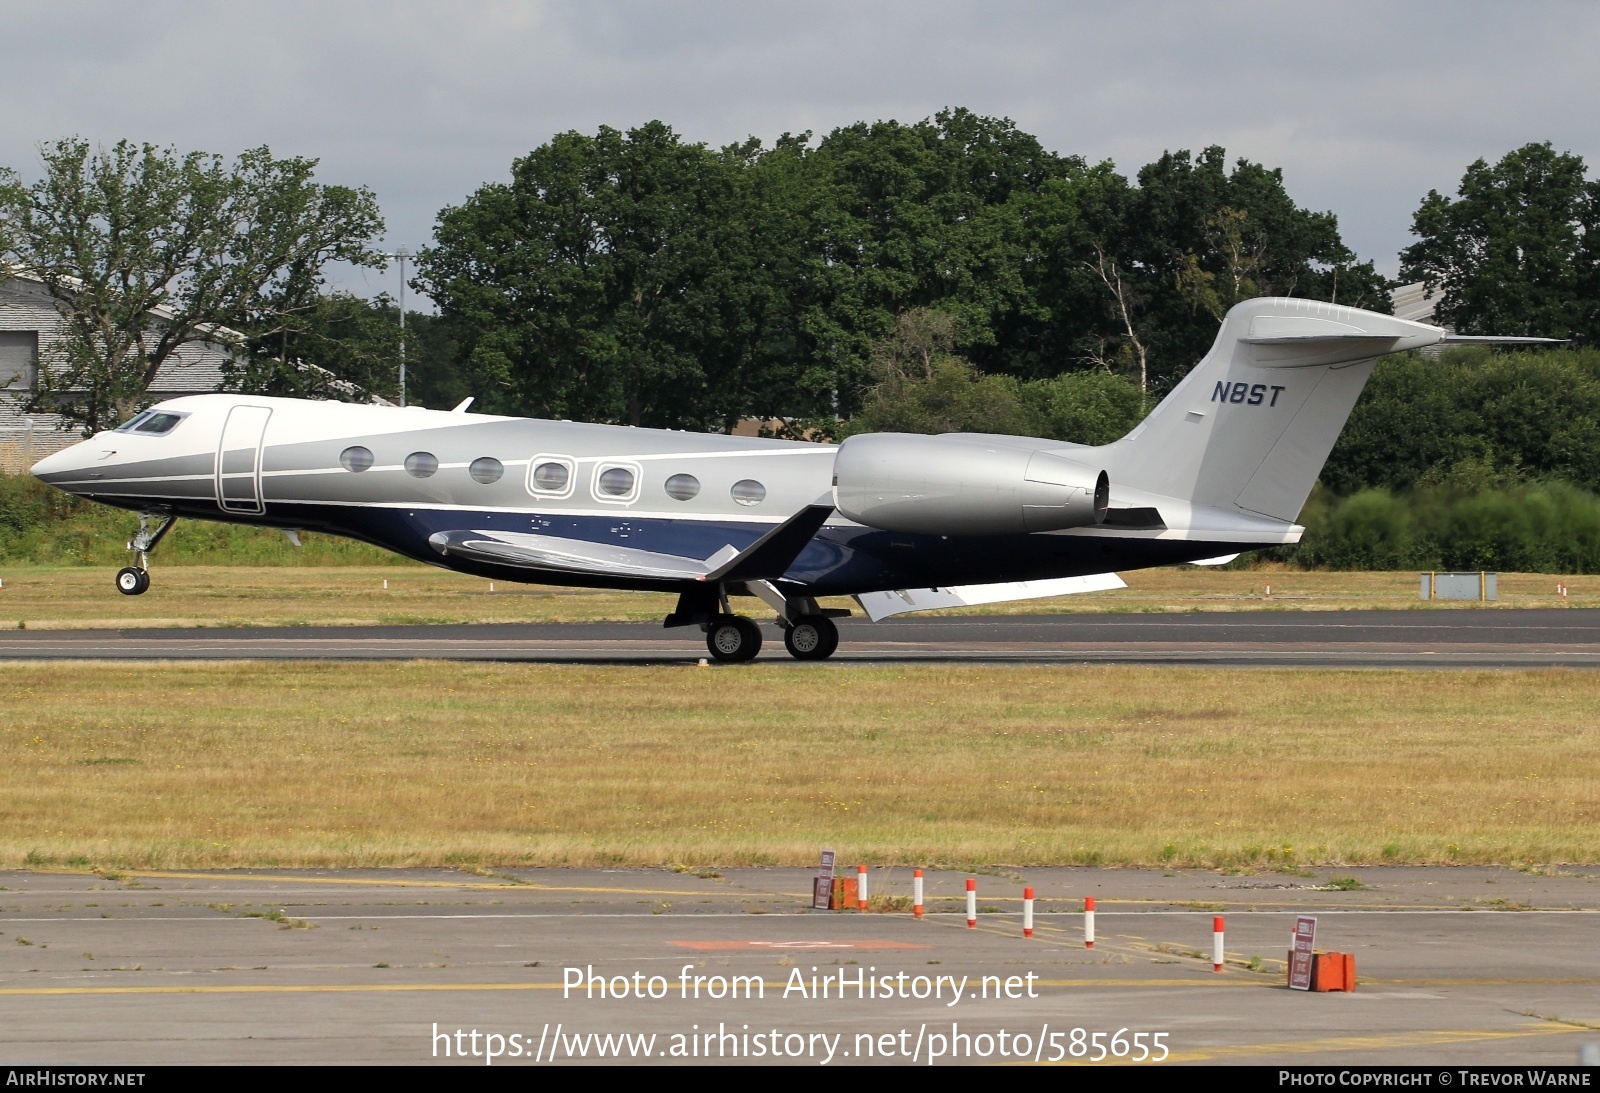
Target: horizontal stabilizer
(881, 605)
(1499, 339)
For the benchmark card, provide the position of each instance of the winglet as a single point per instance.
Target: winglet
(770, 556)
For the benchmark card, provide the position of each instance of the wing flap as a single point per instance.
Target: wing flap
(880, 605)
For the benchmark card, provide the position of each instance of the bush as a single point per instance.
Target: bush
(1371, 530)
(1542, 527)
(1422, 416)
(41, 525)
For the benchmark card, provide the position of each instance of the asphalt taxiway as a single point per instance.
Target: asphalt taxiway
(1525, 638)
(1456, 966)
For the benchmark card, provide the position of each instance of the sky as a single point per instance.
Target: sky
(1365, 106)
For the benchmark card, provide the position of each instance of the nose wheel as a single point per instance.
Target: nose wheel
(132, 581)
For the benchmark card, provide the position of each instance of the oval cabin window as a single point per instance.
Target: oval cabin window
(749, 492)
(681, 487)
(355, 458)
(486, 469)
(421, 464)
(616, 482)
(551, 477)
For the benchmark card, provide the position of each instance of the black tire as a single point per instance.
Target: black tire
(812, 637)
(132, 581)
(733, 639)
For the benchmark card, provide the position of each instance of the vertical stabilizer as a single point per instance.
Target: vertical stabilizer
(1251, 426)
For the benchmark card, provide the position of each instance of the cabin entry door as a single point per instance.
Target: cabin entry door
(239, 460)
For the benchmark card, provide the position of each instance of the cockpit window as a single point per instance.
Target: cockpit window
(159, 424)
(151, 423)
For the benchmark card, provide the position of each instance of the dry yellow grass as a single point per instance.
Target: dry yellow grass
(79, 597)
(82, 596)
(428, 764)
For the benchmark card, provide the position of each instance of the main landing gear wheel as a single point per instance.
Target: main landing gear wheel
(132, 581)
(733, 639)
(812, 637)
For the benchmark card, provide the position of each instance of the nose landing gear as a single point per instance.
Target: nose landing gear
(134, 580)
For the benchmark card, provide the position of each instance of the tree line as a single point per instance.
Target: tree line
(635, 277)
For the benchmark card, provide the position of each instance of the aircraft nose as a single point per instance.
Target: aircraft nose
(71, 466)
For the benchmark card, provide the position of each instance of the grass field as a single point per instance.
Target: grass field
(262, 764)
(54, 597)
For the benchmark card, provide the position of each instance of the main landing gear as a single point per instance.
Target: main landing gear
(134, 580)
(809, 632)
(811, 637)
(734, 639)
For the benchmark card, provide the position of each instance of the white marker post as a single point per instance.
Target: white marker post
(1088, 922)
(916, 893)
(861, 888)
(1027, 912)
(1216, 944)
(972, 904)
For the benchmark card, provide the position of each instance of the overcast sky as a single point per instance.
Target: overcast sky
(1365, 106)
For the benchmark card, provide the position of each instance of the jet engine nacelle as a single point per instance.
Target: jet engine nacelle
(964, 484)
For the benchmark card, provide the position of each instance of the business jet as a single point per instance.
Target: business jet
(901, 522)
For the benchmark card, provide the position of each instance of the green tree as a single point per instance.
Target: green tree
(1197, 238)
(146, 250)
(352, 346)
(944, 212)
(1516, 251)
(923, 386)
(621, 277)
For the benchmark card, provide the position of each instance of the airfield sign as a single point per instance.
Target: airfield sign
(1305, 937)
(822, 890)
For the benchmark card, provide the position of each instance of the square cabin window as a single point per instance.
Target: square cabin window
(19, 360)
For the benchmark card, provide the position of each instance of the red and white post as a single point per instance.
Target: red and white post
(916, 893)
(861, 888)
(1088, 922)
(1216, 944)
(972, 904)
(1027, 912)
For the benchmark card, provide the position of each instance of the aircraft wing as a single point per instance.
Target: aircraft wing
(552, 553)
(766, 559)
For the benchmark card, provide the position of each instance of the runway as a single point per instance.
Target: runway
(1458, 966)
(1531, 638)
